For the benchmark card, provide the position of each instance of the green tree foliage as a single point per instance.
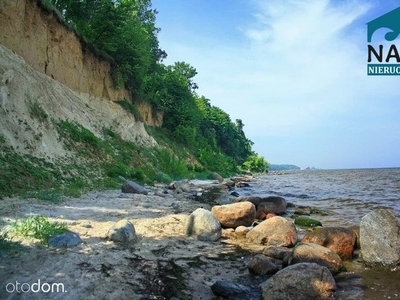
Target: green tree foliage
(125, 31)
(255, 163)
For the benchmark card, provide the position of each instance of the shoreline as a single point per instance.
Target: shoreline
(164, 262)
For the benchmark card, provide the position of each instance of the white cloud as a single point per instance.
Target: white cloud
(301, 75)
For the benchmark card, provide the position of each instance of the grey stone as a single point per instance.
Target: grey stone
(67, 239)
(380, 239)
(302, 281)
(262, 265)
(203, 225)
(123, 231)
(229, 289)
(133, 188)
(276, 231)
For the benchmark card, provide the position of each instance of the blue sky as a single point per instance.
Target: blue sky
(294, 71)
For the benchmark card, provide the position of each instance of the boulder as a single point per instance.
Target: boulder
(309, 252)
(235, 214)
(133, 188)
(262, 265)
(302, 281)
(339, 239)
(276, 231)
(272, 204)
(66, 239)
(277, 252)
(230, 290)
(123, 231)
(203, 225)
(380, 239)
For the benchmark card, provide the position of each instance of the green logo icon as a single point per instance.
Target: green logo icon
(390, 20)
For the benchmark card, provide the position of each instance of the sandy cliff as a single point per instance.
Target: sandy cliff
(41, 38)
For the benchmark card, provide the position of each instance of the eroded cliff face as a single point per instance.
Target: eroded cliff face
(37, 35)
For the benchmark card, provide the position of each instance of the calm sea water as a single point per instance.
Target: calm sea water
(347, 195)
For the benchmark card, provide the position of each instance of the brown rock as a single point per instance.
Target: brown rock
(277, 252)
(275, 231)
(260, 215)
(340, 240)
(270, 215)
(262, 265)
(235, 214)
(314, 253)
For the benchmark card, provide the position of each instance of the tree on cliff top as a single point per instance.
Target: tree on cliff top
(123, 30)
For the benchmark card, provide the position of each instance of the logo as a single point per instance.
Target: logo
(384, 59)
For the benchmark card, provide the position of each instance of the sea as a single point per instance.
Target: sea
(346, 196)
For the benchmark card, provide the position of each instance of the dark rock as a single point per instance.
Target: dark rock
(203, 225)
(276, 231)
(277, 252)
(262, 265)
(272, 204)
(313, 253)
(380, 239)
(123, 231)
(235, 214)
(338, 239)
(229, 289)
(67, 239)
(302, 281)
(133, 188)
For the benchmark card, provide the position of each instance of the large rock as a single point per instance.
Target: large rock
(67, 239)
(123, 231)
(203, 225)
(339, 239)
(231, 290)
(276, 231)
(262, 265)
(271, 204)
(235, 214)
(277, 252)
(380, 239)
(302, 281)
(313, 253)
(133, 188)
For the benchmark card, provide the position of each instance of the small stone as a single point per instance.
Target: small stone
(67, 239)
(262, 265)
(123, 231)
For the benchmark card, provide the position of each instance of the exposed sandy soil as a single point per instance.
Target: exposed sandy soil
(162, 264)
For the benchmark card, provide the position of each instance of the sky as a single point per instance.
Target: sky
(295, 73)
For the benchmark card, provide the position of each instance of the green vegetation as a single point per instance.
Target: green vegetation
(125, 32)
(7, 245)
(196, 138)
(39, 227)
